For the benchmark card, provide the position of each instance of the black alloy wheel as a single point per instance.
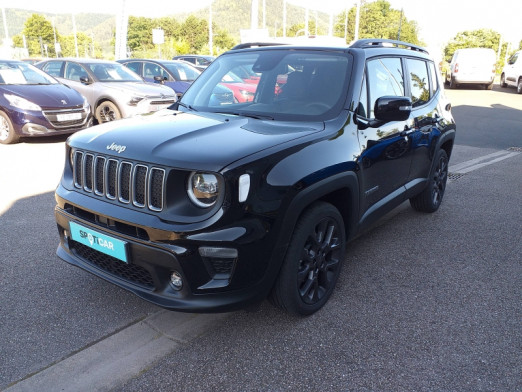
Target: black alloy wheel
(430, 199)
(313, 261)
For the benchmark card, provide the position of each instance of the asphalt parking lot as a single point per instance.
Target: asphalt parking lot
(424, 302)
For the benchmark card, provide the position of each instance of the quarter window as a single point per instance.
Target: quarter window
(433, 79)
(385, 77)
(419, 82)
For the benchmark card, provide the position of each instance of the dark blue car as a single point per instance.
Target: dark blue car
(177, 75)
(33, 103)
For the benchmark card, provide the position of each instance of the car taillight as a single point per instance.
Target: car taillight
(456, 68)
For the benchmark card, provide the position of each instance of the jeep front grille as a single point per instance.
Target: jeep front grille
(119, 180)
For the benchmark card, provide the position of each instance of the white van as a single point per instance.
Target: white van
(512, 72)
(472, 66)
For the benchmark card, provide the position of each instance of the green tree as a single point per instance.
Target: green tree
(38, 32)
(195, 32)
(378, 20)
(482, 38)
(139, 33)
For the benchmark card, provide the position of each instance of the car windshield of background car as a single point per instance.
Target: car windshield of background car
(293, 85)
(113, 73)
(22, 73)
(183, 72)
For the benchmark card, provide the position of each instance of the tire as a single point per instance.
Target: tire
(452, 83)
(519, 86)
(430, 199)
(503, 81)
(7, 133)
(107, 111)
(313, 261)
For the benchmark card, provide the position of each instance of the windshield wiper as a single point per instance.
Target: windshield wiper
(251, 115)
(186, 106)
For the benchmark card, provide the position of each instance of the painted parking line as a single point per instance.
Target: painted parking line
(121, 356)
(477, 163)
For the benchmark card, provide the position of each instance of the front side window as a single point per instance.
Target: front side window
(385, 78)
(288, 85)
(419, 82)
(150, 70)
(53, 68)
(74, 72)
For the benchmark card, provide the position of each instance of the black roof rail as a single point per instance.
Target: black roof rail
(381, 43)
(256, 45)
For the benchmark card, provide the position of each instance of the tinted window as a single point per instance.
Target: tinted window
(150, 70)
(385, 77)
(362, 108)
(419, 82)
(53, 68)
(135, 66)
(433, 78)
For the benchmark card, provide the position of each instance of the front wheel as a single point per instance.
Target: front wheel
(313, 261)
(519, 86)
(107, 111)
(7, 132)
(430, 199)
(503, 81)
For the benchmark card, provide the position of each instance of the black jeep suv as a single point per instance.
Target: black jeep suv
(212, 206)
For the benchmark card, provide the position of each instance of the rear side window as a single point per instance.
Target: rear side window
(419, 82)
(135, 66)
(53, 68)
(433, 79)
(385, 77)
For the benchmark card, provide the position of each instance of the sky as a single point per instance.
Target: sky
(438, 20)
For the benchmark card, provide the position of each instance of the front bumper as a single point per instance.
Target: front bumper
(209, 285)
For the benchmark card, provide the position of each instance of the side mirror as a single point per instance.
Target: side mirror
(159, 79)
(84, 80)
(392, 108)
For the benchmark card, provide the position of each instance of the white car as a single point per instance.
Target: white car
(112, 90)
(472, 66)
(512, 72)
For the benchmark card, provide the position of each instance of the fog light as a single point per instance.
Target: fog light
(176, 281)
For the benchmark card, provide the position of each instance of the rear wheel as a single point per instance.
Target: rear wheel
(519, 86)
(313, 261)
(107, 111)
(430, 199)
(452, 83)
(7, 133)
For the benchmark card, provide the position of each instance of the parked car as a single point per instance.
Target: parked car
(178, 75)
(34, 104)
(199, 61)
(512, 72)
(243, 91)
(224, 205)
(472, 66)
(112, 90)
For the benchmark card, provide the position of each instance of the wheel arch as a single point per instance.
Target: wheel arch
(340, 190)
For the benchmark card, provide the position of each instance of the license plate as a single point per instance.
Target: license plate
(98, 241)
(68, 117)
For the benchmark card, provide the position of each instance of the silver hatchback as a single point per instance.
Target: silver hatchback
(112, 90)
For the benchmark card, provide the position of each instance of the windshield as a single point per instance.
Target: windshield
(113, 72)
(17, 72)
(282, 84)
(182, 71)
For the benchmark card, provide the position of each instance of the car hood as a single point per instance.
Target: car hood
(46, 95)
(138, 88)
(189, 141)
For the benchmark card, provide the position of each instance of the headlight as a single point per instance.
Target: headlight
(21, 103)
(135, 100)
(203, 189)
